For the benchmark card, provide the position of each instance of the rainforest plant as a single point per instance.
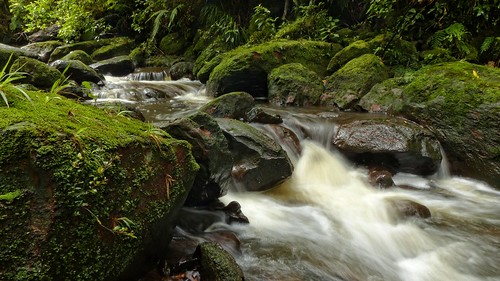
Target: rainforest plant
(7, 79)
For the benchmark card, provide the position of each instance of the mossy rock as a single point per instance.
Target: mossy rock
(119, 47)
(85, 195)
(435, 56)
(7, 52)
(79, 55)
(350, 52)
(38, 73)
(235, 105)
(345, 87)
(460, 103)
(395, 51)
(246, 68)
(208, 59)
(163, 61)
(43, 49)
(117, 66)
(78, 71)
(172, 44)
(87, 46)
(294, 84)
(384, 97)
(217, 264)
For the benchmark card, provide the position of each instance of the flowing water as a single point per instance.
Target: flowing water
(327, 223)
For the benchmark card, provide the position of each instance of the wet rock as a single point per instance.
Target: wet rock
(234, 214)
(78, 71)
(396, 143)
(181, 70)
(117, 66)
(216, 263)
(258, 115)
(408, 208)
(380, 178)
(346, 86)
(210, 149)
(234, 105)
(259, 162)
(294, 85)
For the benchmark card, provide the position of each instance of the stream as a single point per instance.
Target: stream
(326, 222)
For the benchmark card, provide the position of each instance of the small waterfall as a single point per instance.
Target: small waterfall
(444, 168)
(149, 74)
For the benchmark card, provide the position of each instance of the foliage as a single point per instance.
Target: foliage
(221, 24)
(490, 49)
(262, 25)
(7, 78)
(453, 37)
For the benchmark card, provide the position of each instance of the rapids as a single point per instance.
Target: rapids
(327, 223)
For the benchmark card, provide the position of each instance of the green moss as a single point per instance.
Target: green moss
(172, 44)
(38, 73)
(350, 52)
(80, 56)
(81, 171)
(118, 47)
(10, 196)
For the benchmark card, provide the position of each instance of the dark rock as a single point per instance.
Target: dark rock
(408, 208)
(217, 264)
(234, 214)
(172, 44)
(295, 85)
(78, 71)
(258, 115)
(210, 149)
(182, 69)
(47, 34)
(232, 105)
(7, 51)
(117, 66)
(380, 178)
(393, 142)
(259, 162)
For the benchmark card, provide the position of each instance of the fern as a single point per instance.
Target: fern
(453, 37)
(487, 44)
(157, 23)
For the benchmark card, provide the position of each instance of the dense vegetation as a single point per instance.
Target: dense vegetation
(469, 29)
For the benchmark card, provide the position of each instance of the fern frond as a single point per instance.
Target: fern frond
(157, 22)
(487, 43)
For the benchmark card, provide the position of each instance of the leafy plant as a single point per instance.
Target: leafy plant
(61, 83)
(490, 49)
(453, 37)
(7, 78)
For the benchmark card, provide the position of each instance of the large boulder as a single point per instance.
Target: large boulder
(38, 73)
(294, 84)
(83, 195)
(87, 46)
(246, 68)
(259, 162)
(42, 49)
(210, 149)
(173, 44)
(352, 51)
(78, 71)
(7, 51)
(395, 143)
(79, 55)
(460, 103)
(118, 47)
(182, 69)
(346, 86)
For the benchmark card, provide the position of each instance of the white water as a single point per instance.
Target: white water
(326, 223)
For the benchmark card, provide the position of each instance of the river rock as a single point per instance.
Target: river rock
(295, 85)
(345, 87)
(460, 103)
(7, 51)
(79, 55)
(78, 71)
(87, 46)
(217, 264)
(38, 73)
(85, 195)
(408, 208)
(246, 68)
(47, 34)
(395, 143)
(380, 178)
(210, 149)
(117, 66)
(234, 105)
(259, 162)
(172, 44)
(183, 69)
(116, 47)
(42, 49)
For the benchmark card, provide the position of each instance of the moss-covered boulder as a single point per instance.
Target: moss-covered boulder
(173, 44)
(87, 46)
(210, 149)
(233, 105)
(120, 46)
(394, 50)
(78, 55)
(460, 103)
(217, 264)
(78, 71)
(183, 69)
(85, 195)
(435, 56)
(384, 97)
(38, 73)
(345, 87)
(294, 84)
(208, 59)
(246, 68)
(259, 162)
(42, 49)
(7, 51)
(350, 52)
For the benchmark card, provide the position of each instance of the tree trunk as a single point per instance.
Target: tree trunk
(285, 9)
(4, 21)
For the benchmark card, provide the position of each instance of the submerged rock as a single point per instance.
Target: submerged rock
(217, 264)
(259, 162)
(408, 208)
(83, 195)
